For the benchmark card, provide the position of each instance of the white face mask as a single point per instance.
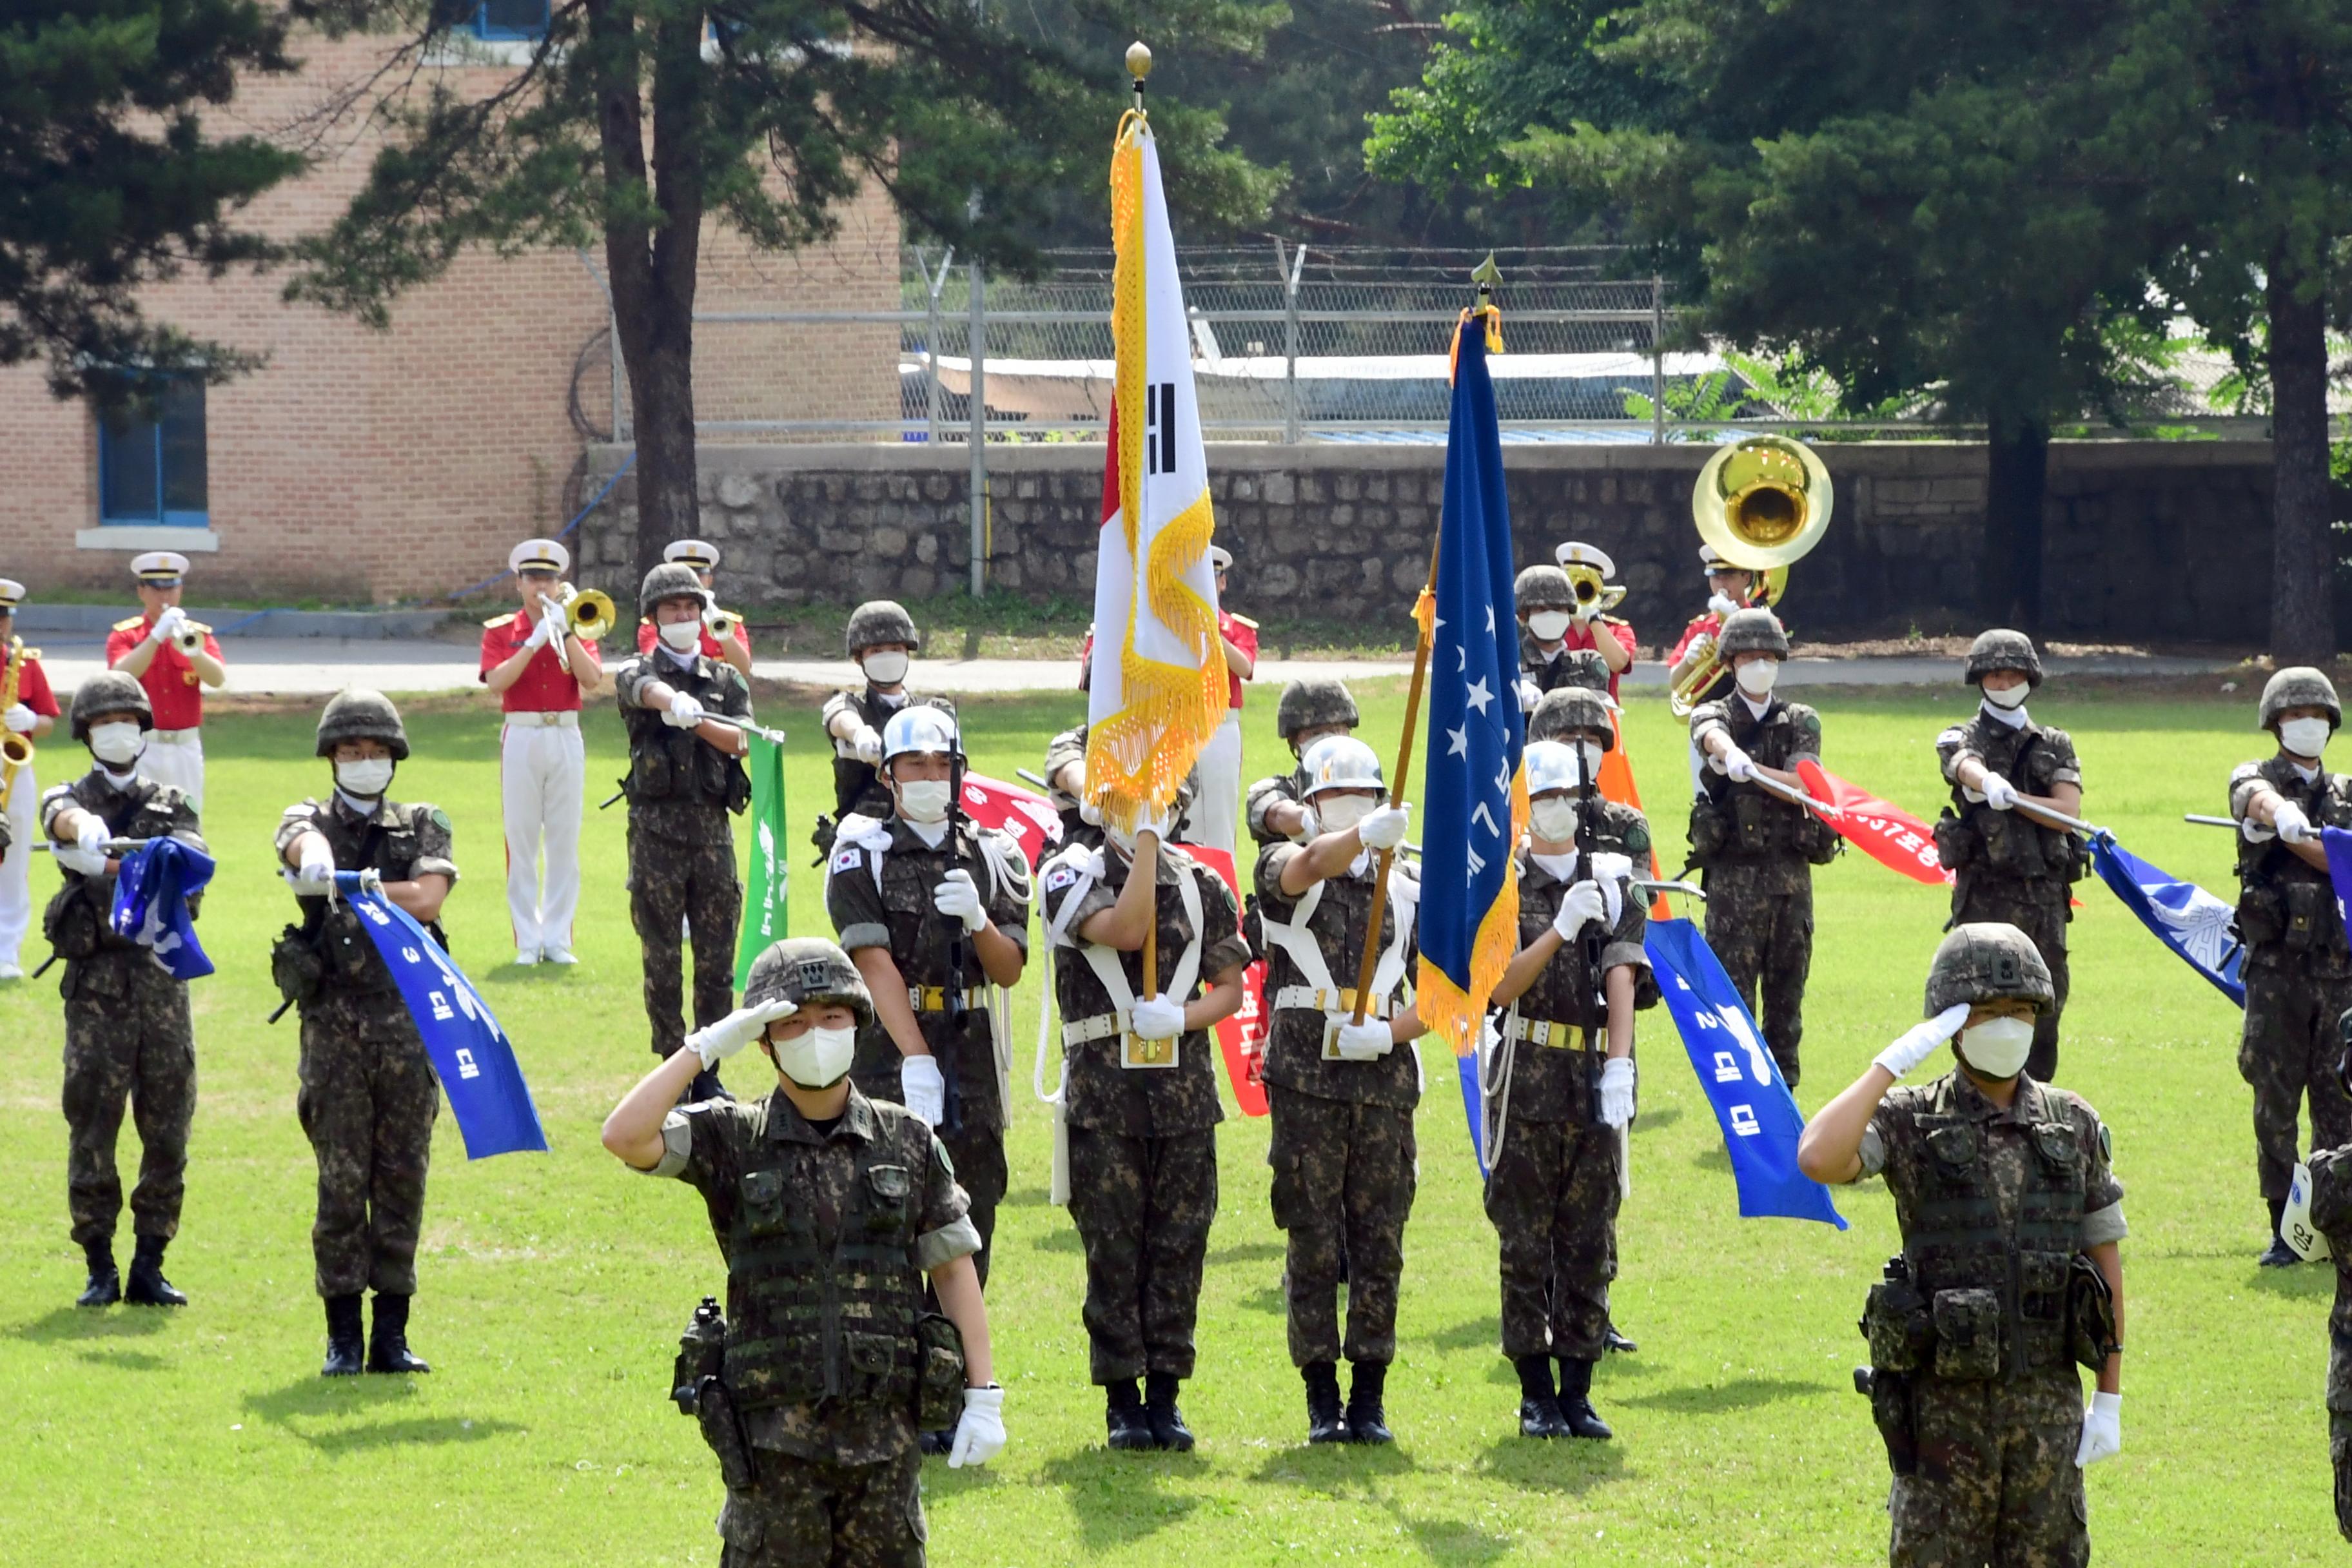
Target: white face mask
(924, 800)
(1757, 676)
(887, 668)
(2303, 737)
(681, 637)
(366, 779)
(1996, 1048)
(119, 744)
(1554, 819)
(1339, 813)
(1549, 626)
(2009, 696)
(816, 1057)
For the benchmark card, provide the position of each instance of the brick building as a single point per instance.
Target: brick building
(359, 465)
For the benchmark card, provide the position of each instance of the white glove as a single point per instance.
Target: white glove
(1920, 1041)
(318, 864)
(165, 624)
(1383, 828)
(2289, 822)
(1719, 604)
(1158, 1018)
(2254, 832)
(921, 1088)
(684, 712)
(1311, 826)
(1366, 1042)
(92, 835)
(866, 745)
(956, 895)
(541, 634)
(1158, 827)
(1617, 1091)
(1700, 646)
(1583, 904)
(20, 719)
(980, 1435)
(2102, 1430)
(737, 1030)
(1999, 792)
(1529, 695)
(1583, 610)
(1610, 870)
(1734, 765)
(82, 862)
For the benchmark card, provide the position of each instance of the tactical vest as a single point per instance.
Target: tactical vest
(1998, 1299)
(805, 1324)
(348, 959)
(1744, 822)
(1973, 839)
(668, 763)
(856, 785)
(78, 920)
(2286, 906)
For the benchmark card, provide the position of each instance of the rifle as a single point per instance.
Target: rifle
(958, 1010)
(1587, 836)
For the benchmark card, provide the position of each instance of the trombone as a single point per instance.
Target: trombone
(1762, 502)
(721, 623)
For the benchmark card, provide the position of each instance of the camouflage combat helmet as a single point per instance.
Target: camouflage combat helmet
(1316, 701)
(670, 580)
(802, 970)
(355, 713)
(1752, 631)
(2001, 648)
(1566, 707)
(108, 692)
(1543, 588)
(878, 621)
(2297, 686)
(1986, 960)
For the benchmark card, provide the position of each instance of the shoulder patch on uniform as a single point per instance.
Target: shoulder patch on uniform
(1060, 875)
(849, 858)
(497, 621)
(440, 819)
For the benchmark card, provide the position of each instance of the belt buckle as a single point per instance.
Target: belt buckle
(1135, 1051)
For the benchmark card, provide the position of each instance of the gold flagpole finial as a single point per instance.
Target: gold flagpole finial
(1487, 274)
(1139, 68)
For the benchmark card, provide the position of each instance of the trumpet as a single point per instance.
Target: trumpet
(190, 637)
(1592, 594)
(721, 623)
(1762, 502)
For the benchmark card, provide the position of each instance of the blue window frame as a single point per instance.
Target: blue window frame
(510, 18)
(151, 469)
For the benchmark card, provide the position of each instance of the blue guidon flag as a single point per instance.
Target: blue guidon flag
(1477, 795)
(150, 904)
(2187, 919)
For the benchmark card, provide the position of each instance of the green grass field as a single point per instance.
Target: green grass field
(553, 1288)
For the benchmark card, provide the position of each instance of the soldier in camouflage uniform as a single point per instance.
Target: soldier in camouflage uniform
(1756, 850)
(369, 1095)
(1342, 1094)
(1066, 781)
(2011, 1273)
(882, 640)
(1562, 1086)
(1555, 622)
(904, 894)
(1140, 1104)
(2298, 969)
(2009, 866)
(2331, 1214)
(127, 1035)
(830, 1209)
(683, 713)
(1579, 669)
(1309, 709)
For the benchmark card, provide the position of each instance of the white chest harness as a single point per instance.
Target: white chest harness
(1338, 1005)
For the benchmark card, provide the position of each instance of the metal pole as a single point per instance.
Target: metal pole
(935, 281)
(1657, 360)
(978, 439)
(1290, 421)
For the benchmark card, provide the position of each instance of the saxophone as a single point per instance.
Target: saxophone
(16, 751)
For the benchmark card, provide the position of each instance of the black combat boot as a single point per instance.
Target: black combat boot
(1168, 1428)
(1130, 1427)
(1576, 1401)
(105, 1286)
(1367, 1423)
(344, 1347)
(388, 1343)
(1539, 1414)
(1325, 1423)
(2278, 1254)
(1616, 1343)
(148, 1288)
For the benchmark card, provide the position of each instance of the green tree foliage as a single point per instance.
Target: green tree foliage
(111, 184)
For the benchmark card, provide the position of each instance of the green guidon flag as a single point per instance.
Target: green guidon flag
(770, 882)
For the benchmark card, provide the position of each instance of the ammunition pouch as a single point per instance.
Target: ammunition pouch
(2090, 1313)
(2310, 910)
(940, 1381)
(2261, 913)
(652, 769)
(1889, 1392)
(1969, 1335)
(1709, 832)
(2012, 845)
(72, 924)
(1958, 844)
(714, 1411)
(1901, 1329)
(295, 965)
(1817, 841)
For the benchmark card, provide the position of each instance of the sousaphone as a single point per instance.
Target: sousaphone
(1762, 501)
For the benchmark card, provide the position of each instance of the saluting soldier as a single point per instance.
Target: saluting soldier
(1139, 1100)
(2008, 865)
(685, 713)
(1309, 709)
(905, 894)
(128, 1033)
(1341, 1093)
(831, 1210)
(2011, 1275)
(28, 709)
(2298, 969)
(882, 640)
(703, 558)
(368, 1094)
(146, 647)
(1755, 850)
(1563, 1090)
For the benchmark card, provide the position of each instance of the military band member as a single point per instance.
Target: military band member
(735, 649)
(1756, 850)
(541, 670)
(2298, 969)
(882, 640)
(2010, 866)
(368, 1094)
(683, 713)
(1546, 592)
(2012, 1272)
(29, 709)
(1729, 591)
(1311, 709)
(1565, 1091)
(831, 1210)
(1342, 1094)
(1139, 1099)
(128, 1034)
(904, 895)
(147, 648)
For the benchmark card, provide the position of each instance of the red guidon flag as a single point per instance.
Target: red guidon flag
(1022, 815)
(1886, 832)
(1241, 1039)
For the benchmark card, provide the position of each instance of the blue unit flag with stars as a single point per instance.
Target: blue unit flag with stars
(1477, 796)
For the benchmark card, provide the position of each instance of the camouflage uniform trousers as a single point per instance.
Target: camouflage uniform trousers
(2289, 1050)
(2039, 909)
(368, 1102)
(672, 882)
(1992, 1487)
(2339, 1425)
(1760, 920)
(1344, 1175)
(128, 1038)
(815, 1513)
(1553, 1200)
(1143, 1207)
